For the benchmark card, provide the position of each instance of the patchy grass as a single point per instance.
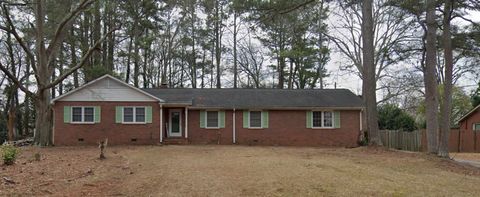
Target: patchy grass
(235, 171)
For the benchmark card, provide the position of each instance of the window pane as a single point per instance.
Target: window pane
(76, 114)
(175, 127)
(212, 119)
(140, 114)
(88, 114)
(255, 119)
(127, 114)
(327, 119)
(317, 119)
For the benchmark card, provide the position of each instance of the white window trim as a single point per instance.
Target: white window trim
(250, 122)
(206, 120)
(134, 121)
(322, 118)
(82, 115)
(473, 126)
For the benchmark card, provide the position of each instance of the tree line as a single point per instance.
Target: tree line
(401, 49)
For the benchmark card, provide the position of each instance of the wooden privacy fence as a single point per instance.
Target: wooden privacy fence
(402, 140)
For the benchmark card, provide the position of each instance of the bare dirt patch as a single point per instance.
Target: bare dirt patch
(235, 171)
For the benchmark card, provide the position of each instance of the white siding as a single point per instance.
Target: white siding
(107, 90)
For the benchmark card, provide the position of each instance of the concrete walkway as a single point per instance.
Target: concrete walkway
(468, 162)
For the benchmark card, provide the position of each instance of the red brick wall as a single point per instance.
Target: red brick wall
(285, 128)
(197, 135)
(68, 134)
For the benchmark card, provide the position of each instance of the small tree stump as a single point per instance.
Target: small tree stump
(103, 145)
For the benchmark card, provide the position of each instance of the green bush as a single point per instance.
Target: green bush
(391, 117)
(9, 154)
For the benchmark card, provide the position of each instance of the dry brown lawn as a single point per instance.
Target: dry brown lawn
(235, 171)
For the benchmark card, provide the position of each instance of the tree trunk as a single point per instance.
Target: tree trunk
(61, 61)
(447, 86)
(218, 45)
(369, 85)
(212, 57)
(53, 65)
(136, 58)
(11, 92)
(146, 52)
(194, 53)
(202, 85)
(129, 57)
(321, 64)
(431, 99)
(43, 120)
(290, 75)
(85, 40)
(11, 123)
(97, 56)
(235, 65)
(73, 54)
(26, 102)
(111, 38)
(42, 103)
(281, 64)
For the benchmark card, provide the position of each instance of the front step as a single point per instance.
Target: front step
(175, 141)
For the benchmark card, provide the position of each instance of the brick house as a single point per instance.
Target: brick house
(109, 108)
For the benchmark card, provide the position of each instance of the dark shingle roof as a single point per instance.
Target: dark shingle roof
(259, 98)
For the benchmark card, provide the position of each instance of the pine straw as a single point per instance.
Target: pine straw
(236, 171)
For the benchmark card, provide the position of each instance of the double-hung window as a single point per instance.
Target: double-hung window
(255, 119)
(134, 114)
(212, 119)
(83, 114)
(322, 119)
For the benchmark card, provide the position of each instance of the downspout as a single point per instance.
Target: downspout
(186, 122)
(361, 133)
(161, 123)
(234, 126)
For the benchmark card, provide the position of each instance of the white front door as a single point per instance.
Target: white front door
(175, 123)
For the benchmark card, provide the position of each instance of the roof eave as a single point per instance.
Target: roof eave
(468, 114)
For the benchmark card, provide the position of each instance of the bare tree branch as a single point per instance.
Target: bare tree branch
(15, 80)
(11, 29)
(60, 33)
(82, 61)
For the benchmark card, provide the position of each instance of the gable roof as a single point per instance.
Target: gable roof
(89, 84)
(260, 98)
(468, 114)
